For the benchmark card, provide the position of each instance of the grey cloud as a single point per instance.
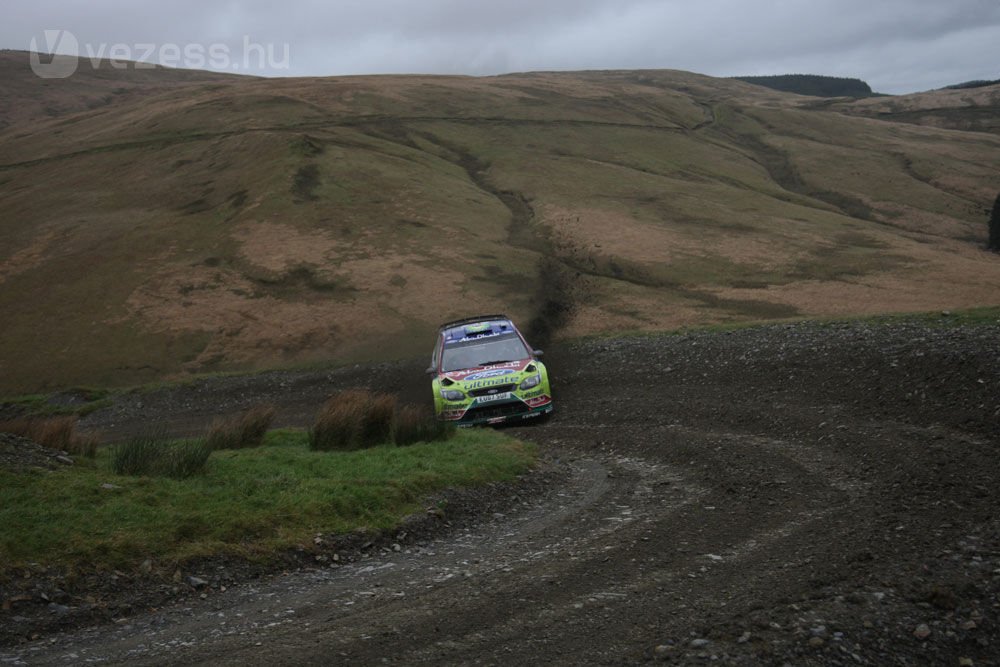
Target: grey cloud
(897, 45)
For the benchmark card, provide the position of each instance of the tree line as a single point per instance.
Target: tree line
(811, 84)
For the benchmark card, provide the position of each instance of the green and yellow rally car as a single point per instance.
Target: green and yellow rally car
(486, 373)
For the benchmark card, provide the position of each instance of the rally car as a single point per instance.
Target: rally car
(486, 373)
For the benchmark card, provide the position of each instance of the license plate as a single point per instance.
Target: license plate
(496, 397)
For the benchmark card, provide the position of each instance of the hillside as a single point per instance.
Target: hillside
(225, 223)
(977, 83)
(94, 85)
(956, 108)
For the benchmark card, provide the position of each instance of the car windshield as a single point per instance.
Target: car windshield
(493, 350)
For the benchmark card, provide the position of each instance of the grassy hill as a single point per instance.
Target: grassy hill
(956, 108)
(228, 223)
(28, 98)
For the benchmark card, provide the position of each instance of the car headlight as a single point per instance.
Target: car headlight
(532, 381)
(452, 395)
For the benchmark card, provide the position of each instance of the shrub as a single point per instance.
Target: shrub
(53, 432)
(242, 431)
(415, 424)
(154, 456)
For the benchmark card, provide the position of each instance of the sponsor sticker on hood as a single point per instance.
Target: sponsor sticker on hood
(492, 373)
(507, 367)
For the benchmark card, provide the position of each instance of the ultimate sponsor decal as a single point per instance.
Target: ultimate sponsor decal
(492, 382)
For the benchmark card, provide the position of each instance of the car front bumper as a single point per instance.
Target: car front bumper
(500, 412)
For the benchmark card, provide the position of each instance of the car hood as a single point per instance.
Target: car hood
(487, 376)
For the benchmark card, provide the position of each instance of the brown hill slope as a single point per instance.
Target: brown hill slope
(969, 109)
(28, 98)
(241, 223)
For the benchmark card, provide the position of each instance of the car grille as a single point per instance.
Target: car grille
(495, 411)
(490, 391)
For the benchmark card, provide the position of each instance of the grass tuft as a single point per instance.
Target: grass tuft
(353, 419)
(185, 459)
(54, 432)
(137, 456)
(242, 431)
(338, 424)
(415, 424)
(358, 419)
(154, 456)
(377, 424)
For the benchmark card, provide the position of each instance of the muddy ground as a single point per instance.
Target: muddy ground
(801, 494)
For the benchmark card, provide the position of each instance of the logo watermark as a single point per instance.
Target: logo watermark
(66, 54)
(61, 42)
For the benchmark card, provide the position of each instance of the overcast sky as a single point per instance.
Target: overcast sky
(897, 46)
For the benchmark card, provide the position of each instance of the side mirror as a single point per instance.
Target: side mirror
(537, 353)
(431, 370)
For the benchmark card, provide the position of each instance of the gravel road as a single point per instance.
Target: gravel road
(800, 494)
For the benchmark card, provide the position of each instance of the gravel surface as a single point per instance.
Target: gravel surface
(18, 454)
(793, 494)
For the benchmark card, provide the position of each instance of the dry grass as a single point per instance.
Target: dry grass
(241, 431)
(415, 424)
(57, 433)
(343, 423)
(278, 248)
(358, 419)
(377, 423)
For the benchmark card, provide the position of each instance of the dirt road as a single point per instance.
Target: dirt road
(797, 494)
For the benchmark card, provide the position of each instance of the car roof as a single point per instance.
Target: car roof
(475, 328)
(477, 319)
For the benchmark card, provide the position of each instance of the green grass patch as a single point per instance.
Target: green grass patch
(86, 400)
(248, 502)
(150, 455)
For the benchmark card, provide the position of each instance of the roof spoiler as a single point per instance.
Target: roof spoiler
(473, 320)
